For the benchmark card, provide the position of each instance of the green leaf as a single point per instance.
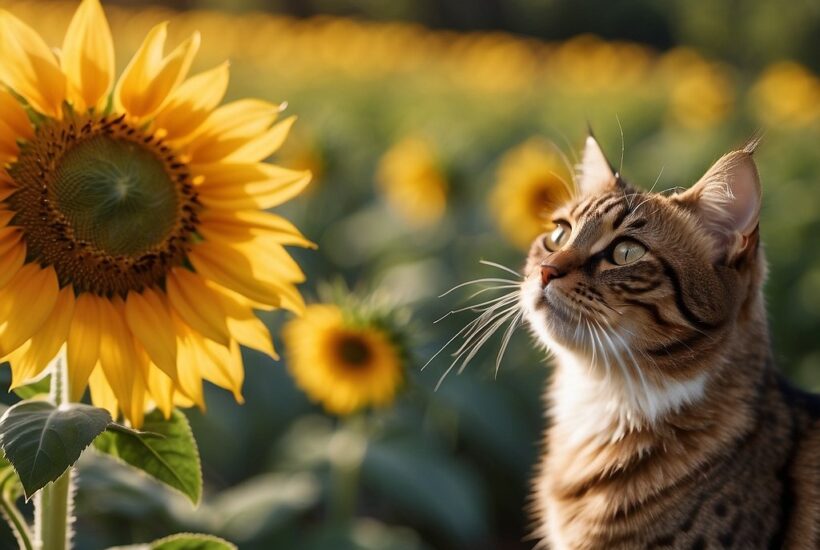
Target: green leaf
(40, 387)
(192, 541)
(166, 451)
(429, 485)
(42, 440)
(263, 504)
(183, 541)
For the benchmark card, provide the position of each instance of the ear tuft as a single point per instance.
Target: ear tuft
(727, 200)
(595, 174)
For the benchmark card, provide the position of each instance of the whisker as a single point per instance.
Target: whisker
(442, 348)
(458, 357)
(506, 341)
(487, 335)
(485, 320)
(477, 307)
(657, 179)
(624, 371)
(499, 266)
(478, 281)
(598, 343)
(489, 288)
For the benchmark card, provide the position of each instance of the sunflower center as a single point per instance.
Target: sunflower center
(111, 208)
(353, 351)
(542, 198)
(116, 195)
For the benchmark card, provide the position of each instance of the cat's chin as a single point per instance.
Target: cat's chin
(551, 321)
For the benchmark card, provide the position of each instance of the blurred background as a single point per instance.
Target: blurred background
(429, 126)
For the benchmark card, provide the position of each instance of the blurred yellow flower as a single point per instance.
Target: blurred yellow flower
(132, 235)
(411, 180)
(532, 180)
(344, 365)
(787, 94)
(701, 94)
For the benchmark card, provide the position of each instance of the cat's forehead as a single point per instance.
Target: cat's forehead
(590, 205)
(621, 202)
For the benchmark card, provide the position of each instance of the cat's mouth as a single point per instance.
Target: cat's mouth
(555, 316)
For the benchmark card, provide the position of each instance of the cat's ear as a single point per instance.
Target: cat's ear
(727, 200)
(595, 175)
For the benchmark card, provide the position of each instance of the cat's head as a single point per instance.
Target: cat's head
(654, 278)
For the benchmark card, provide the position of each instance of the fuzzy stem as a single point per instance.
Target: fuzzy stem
(53, 504)
(12, 514)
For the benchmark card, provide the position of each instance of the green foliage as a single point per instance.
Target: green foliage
(165, 450)
(183, 541)
(428, 485)
(30, 391)
(42, 441)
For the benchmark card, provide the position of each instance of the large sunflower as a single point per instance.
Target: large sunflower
(344, 364)
(132, 230)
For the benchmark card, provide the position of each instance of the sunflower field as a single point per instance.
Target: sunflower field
(421, 151)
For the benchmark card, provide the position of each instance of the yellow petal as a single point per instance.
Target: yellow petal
(87, 57)
(230, 127)
(183, 401)
(83, 346)
(222, 366)
(161, 388)
(13, 115)
(9, 150)
(263, 146)
(245, 326)
(101, 393)
(231, 269)
(119, 358)
(256, 273)
(191, 103)
(25, 304)
(29, 360)
(243, 225)
(197, 305)
(190, 358)
(150, 77)
(248, 186)
(28, 66)
(136, 415)
(12, 256)
(270, 258)
(149, 319)
(5, 217)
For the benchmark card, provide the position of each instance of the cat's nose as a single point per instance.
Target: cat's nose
(548, 273)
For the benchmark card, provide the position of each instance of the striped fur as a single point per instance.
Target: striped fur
(670, 425)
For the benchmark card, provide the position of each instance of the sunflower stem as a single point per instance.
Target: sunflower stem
(347, 449)
(10, 512)
(53, 504)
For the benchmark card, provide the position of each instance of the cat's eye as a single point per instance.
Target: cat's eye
(626, 252)
(558, 237)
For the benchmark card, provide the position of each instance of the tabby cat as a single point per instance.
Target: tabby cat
(670, 426)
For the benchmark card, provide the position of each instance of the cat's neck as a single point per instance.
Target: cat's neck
(593, 405)
(600, 434)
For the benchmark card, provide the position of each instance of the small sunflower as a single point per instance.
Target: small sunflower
(787, 94)
(344, 364)
(532, 180)
(132, 232)
(412, 181)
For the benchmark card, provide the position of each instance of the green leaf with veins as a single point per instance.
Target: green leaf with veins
(165, 450)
